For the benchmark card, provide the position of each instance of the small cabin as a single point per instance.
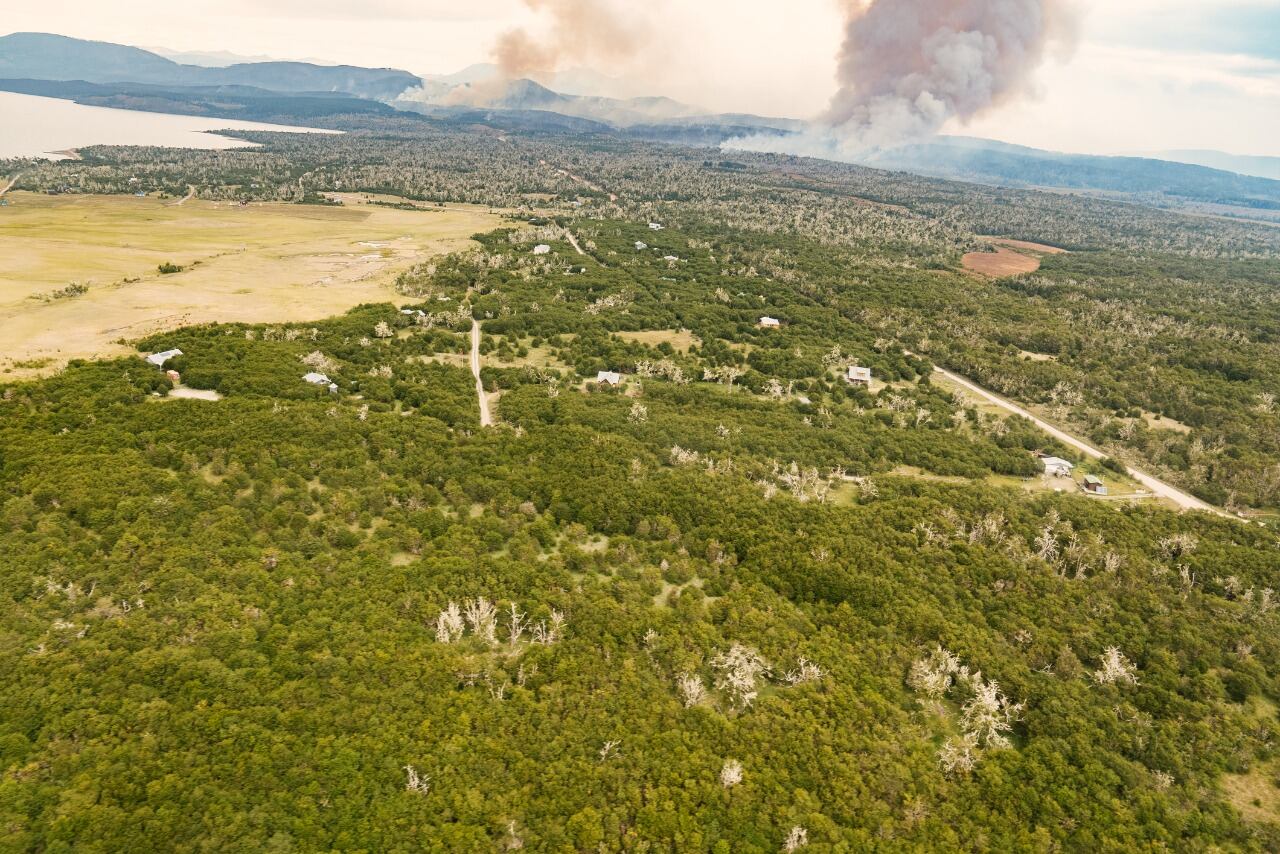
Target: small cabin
(316, 379)
(542, 249)
(641, 246)
(1057, 467)
(856, 375)
(656, 226)
(1094, 485)
(612, 378)
(158, 359)
(770, 322)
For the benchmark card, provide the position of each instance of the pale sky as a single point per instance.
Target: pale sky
(1146, 75)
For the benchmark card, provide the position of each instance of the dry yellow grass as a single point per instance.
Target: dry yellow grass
(1255, 794)
(1157, 422)
(267, 263)
(680, 340)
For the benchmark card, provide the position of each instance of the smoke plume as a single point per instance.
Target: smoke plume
(908, 66)
(587, 31)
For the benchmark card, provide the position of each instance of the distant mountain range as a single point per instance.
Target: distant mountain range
(984, 161)
(582, 101)
(42, 56)
(1260, 167)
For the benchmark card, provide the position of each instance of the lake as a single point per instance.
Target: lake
(34, 126)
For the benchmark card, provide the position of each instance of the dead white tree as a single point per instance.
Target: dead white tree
(449, 625)
(1115, 668)
(547, 632)
(989, 715)
(419, 783)
(683, 457)
(798, 838)
(805, 671)
(959, 754)
(516, 625)
(933, 675)
(740, 671)
(731, 773)
(691, 688)
(482, 616)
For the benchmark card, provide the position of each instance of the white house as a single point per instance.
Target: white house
(1057, 467)
(641, 246)
(609, 378)
(656, 226)
(542, 249)
(158, 359)
(316, 379)
(770, 322)
(856, 375)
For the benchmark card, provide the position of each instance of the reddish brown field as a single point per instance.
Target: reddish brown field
(1011, 258)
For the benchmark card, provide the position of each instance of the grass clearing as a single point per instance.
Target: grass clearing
(679, 339)
(1159, 422)
(1255, 794)
(261, 263)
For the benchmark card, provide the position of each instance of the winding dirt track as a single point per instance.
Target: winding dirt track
(1158, 487)
(486, 420)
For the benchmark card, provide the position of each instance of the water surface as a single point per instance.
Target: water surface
(33, 126)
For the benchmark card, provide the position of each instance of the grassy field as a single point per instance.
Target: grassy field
(258, 263)
(680, 340)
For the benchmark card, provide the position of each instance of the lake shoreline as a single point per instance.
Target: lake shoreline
(42, 128)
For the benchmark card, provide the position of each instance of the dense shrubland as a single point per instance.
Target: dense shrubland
(733, 605)
(222, 625)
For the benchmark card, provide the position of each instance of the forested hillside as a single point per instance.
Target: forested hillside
(733, 603)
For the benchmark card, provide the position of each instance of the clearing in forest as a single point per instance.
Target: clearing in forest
(1255, 794)
(260, 263)
(1011, 258)
(680, 340)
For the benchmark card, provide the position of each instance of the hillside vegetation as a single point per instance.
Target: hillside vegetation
(733, 604)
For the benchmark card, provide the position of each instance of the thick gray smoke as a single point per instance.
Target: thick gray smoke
(908, 66)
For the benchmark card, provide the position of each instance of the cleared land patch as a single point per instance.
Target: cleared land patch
(1011, 258)
(1256, 794)
(680, 340)
(1160, 422)
(262, 263)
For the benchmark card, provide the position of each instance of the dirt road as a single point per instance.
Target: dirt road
(1157, 486)
(486, 420)
(191, 194)
(583, 181)
(573, 241)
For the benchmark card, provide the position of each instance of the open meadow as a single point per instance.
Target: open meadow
(81, 273)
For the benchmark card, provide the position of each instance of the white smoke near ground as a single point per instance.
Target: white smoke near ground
(908, 67)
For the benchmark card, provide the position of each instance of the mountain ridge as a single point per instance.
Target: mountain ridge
(45, 56)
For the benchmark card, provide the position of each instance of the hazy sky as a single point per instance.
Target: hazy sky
(1146, 74)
